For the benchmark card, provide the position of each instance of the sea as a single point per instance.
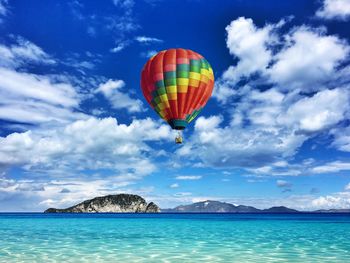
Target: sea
(39, 237)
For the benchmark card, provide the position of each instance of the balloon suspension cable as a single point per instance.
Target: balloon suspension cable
(178, 138)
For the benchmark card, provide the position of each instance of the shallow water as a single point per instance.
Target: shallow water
(174, 238)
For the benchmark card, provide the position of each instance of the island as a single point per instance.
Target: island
(120, 203)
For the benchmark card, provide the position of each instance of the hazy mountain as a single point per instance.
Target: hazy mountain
(333, 211)
(212, 207)
(280, 209)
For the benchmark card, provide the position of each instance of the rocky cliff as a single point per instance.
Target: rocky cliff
(121, 203)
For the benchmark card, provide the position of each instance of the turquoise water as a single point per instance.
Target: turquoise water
(174, 238)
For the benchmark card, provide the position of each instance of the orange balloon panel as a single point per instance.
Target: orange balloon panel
(177, 83)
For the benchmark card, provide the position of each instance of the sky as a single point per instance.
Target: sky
(74, 124)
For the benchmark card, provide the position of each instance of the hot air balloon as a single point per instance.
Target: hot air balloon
(177, 83)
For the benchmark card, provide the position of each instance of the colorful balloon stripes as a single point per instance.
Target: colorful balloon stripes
(177, 83)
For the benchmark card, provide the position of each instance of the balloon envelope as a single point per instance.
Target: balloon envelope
(177, 83)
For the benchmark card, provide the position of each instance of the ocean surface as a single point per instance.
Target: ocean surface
(36, 237)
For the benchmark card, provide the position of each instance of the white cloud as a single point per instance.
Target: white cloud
(123, 21)
(188, 177)
(249, 44)
(334, 9)
(111, 85)
(305, 61)
(347, 187)
(87, 144)
(207, 124)
(119, 99)
(223, 91)
(119, 47)
(80, 65)
(175, 185)
(32, 98)
(239, 146)
(323, 110)
(23, 52)
(283, 184)
(339, 200)
(341, 138)
(332, 167)
(148, 40)
(31, 86)
(300, 63)
(308, 95)
(264, 107)
(270, 127)
(278, 168)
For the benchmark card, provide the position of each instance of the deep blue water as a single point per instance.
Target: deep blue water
(36, 237)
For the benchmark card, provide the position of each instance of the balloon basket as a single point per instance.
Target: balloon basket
(178, 138)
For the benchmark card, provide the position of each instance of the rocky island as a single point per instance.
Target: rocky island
(120, 203)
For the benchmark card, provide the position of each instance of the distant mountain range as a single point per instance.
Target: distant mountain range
(222, 207)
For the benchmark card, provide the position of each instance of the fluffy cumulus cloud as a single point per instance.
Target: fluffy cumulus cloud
(249, 44)
(339, 200)
(237, 146)
(334, 9)
(298, 59)
(86, 144)
(112, 90)
(294, 95)
(321, 111)
(66, 162)
(265, 128)
(305, 61)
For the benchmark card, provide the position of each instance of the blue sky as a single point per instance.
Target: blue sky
(74, 123)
